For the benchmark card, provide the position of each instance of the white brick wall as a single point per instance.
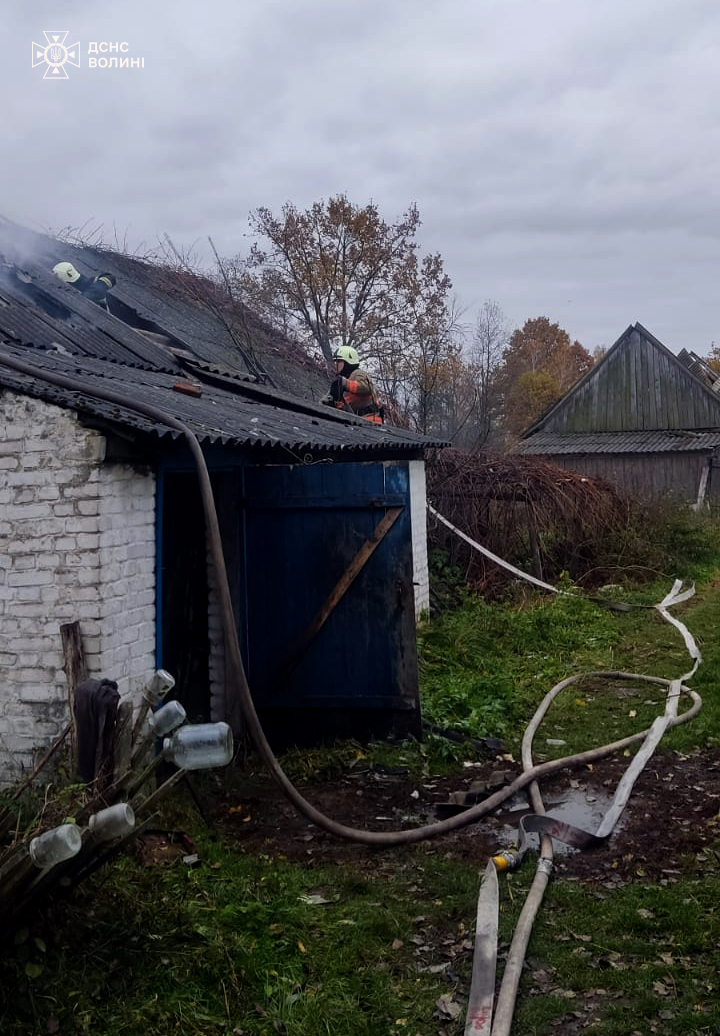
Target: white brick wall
(418, 523)
(77, 541)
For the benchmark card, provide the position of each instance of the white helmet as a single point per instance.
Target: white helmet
(347, 354)
(66, 272)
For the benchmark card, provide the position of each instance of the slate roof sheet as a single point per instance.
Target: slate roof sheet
(547, 443)
(156, 297)
(242, 415)
(52, 326)
(47, 316)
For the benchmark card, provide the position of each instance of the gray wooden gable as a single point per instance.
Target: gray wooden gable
(639, 385)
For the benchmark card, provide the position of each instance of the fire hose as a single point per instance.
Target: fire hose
(482, 986)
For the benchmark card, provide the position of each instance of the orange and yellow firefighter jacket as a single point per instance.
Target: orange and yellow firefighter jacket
(359, 397)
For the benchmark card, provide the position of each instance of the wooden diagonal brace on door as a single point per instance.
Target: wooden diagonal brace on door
(288, 666)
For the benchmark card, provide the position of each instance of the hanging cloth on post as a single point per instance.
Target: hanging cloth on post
(96, 705)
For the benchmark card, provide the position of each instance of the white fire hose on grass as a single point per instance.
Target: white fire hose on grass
(479, 1019)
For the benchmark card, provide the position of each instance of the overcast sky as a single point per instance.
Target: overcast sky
(564, 154)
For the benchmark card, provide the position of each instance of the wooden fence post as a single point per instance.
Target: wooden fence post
(75, 672)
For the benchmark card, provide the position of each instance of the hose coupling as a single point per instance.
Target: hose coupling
(507, 860)
(545, 866)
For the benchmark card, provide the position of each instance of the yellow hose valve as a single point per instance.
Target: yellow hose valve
(506, 860)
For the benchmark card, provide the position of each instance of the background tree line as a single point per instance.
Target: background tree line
(338, 273)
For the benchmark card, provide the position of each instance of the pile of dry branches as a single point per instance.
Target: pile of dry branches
(540, 517)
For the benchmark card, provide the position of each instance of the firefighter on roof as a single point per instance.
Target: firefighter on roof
(353, 390)
(93, 288)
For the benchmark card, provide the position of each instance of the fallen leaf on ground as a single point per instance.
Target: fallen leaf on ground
(448, 1006)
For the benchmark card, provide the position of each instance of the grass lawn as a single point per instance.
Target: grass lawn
(256, 943)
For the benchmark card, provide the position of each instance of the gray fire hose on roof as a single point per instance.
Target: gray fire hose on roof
(479, 1021)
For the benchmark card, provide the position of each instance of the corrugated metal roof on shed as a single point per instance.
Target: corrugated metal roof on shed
(202, 328)
(55, 327)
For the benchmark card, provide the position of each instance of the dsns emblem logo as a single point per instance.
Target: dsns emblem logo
(55, 54)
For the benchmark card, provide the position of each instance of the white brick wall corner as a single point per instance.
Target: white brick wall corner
(77, 541)
(418, 522)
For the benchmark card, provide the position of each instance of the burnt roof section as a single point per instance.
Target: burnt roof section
(189, 310)
(237, 415)
(54, 327)
(42, 315)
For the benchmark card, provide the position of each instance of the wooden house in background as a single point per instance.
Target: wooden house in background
(642, 418)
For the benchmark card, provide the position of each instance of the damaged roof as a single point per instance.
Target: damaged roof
(165, 302)
(181, 364)
(37, 314)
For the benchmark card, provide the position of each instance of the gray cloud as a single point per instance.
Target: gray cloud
(564, 155)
